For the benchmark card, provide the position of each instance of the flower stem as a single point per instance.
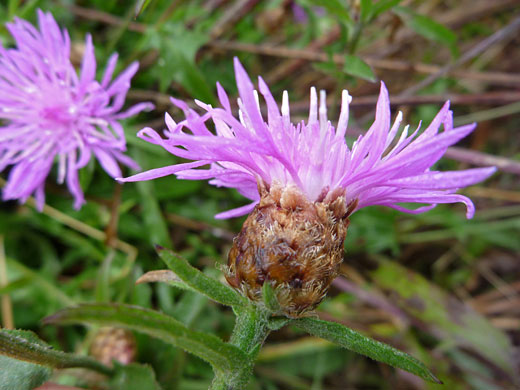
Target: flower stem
(251, 330)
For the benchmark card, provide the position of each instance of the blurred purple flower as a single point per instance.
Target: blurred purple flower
(49, 111)
(300, 14)
(379, 169)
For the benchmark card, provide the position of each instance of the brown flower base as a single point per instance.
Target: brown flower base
(291, 243)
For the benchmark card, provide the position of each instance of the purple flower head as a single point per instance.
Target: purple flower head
(48, 111)
(379, 169)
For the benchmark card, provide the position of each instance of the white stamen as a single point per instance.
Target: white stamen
(346, 99)
(313, 109)
(323, 111)
(257, 99)
(285, 109)
(240, 113)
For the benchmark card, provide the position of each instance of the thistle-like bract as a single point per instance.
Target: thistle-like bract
(305, 181)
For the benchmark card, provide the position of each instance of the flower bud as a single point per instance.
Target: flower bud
(113, 344)
(291, 243)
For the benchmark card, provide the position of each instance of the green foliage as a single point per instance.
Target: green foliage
(26, 346)
(358, 343)
(455, 323)
(269, 297)
(356, 67)
(223, 357)
(133, 377)
(427, 27)
(140, 6)
(20, 374)
(177, 61)
(199, 282)
(336, 8)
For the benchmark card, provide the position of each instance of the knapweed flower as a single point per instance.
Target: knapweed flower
(48, 112)
(305, 181)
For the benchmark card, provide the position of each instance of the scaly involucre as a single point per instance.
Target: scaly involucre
(381, 168)
(48, 111)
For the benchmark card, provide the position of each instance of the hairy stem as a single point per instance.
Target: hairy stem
(251, 330)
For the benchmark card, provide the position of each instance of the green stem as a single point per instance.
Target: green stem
(355, 37)
(251, 330)
(22, 349)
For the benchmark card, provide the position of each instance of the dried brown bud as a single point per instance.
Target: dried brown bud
(113, 344)
(291, 243)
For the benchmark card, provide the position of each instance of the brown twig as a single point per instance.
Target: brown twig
(230, 16)
(396, 65)
(483, 159)
(290, 66)
(498, 78)
(454, 18)
(200, 226)
(479, 48)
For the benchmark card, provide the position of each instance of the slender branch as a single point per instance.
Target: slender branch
(479, 48)
(232, 15)
(396, 65)
(499, 78)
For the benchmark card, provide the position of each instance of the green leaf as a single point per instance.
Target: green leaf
(356, 342)
(428, 28)
(191, 77)
(18, 374)
(452, 321)
(155, 224)
(223, 357)
(366, 10)
(140, 6)
(133, 377)
(177, 61)
(356, 67)
(382, 6)
(334, 8)
(199, 282)
(276, 323)
(25, 345)
(270, 299)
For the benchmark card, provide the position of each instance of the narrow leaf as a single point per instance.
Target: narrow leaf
(200, 282)
(355, 66)
(24, 345)
(356, 342)
(140, 6)
(452, 321)
(154, 221)
(335, 8)
(18, 374)
(427, 27)
(366, 10)
(223, 357)
(383, 6)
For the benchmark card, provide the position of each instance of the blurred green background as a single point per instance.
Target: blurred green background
(436, 285)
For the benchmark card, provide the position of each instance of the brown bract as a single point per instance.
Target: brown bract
(114, 344)
(291, 243)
